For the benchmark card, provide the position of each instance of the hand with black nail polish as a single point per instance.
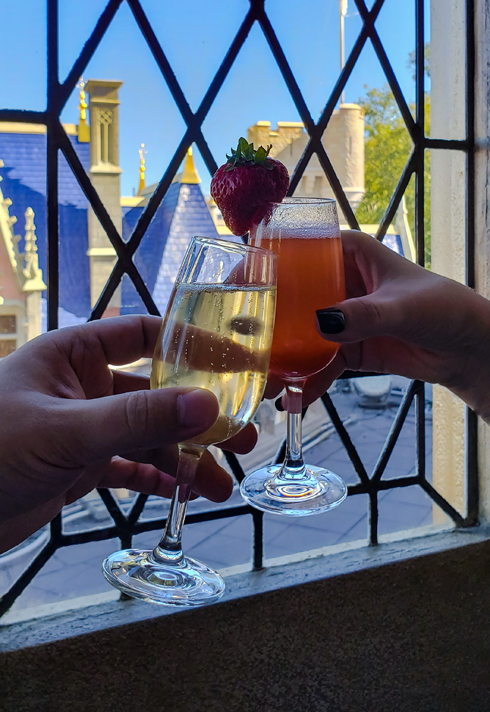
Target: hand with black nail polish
(401, 319)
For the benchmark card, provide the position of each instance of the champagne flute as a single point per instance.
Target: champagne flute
(216, 335)
(305, 235)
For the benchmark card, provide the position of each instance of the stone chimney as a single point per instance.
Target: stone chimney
(105, 175)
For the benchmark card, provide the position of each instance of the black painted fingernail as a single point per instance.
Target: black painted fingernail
(279, 405)
(330, 321)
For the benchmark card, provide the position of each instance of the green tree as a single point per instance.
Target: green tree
(387, 148)
(411, 62)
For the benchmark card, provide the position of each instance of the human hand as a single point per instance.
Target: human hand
(70, 424)
(401, 319)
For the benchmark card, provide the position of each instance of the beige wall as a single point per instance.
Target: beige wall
(448, 213)
(482, 217)
(448, 225)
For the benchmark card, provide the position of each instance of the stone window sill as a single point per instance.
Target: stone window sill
(99, 613)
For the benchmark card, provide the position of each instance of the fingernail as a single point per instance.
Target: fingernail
(330, 321)
(279, 405)
(193, 408)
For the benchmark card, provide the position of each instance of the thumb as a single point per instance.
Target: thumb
(356, 319)
(141, 420)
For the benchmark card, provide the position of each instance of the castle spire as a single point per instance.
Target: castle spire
(32, 273)
(189, 174)
(83, 129)
(142, 168)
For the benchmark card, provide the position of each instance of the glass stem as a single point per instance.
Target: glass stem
(294, 467)
(169, 549)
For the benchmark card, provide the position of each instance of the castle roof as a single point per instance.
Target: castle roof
(182, 214)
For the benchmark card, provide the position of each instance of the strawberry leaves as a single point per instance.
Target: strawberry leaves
(246, 155)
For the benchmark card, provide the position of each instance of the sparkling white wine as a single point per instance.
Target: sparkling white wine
(218, 337)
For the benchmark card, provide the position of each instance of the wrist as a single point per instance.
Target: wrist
(472, 383)
(476, 398)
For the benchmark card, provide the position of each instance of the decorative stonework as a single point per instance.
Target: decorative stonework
(31, 271)
(21, 279)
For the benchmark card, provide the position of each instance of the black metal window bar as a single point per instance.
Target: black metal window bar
(126, 526)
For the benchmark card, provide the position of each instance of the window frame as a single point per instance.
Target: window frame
(125, 527)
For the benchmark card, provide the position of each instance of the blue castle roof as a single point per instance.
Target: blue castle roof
(182, 214)
(24, 182)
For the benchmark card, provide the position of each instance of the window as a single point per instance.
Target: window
(8, 334)
(7, 346)
(370, 486)
(106, 131)
(8, 324)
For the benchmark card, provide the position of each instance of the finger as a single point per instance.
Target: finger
(212, 481)
(367, 262)
(381, 286)
(124, 382)
(273, 387)
(122, 340)
(218, 489)
(318, 384)
(356, 319)
(385, 354)
(243, 442)
(120, 473)
(379, 355)
(142, 420)
(138, 477)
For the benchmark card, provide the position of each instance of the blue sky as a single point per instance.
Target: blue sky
(195, 36)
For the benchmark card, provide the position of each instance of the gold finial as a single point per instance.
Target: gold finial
(142, 168)
(189, 174)
(83, 129)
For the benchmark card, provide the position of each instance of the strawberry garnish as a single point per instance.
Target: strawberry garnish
(246, 184)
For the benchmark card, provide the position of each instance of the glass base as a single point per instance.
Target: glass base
(318, 491)
(138, 574)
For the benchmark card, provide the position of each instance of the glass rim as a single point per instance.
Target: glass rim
(236, 246)
(298, 200)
